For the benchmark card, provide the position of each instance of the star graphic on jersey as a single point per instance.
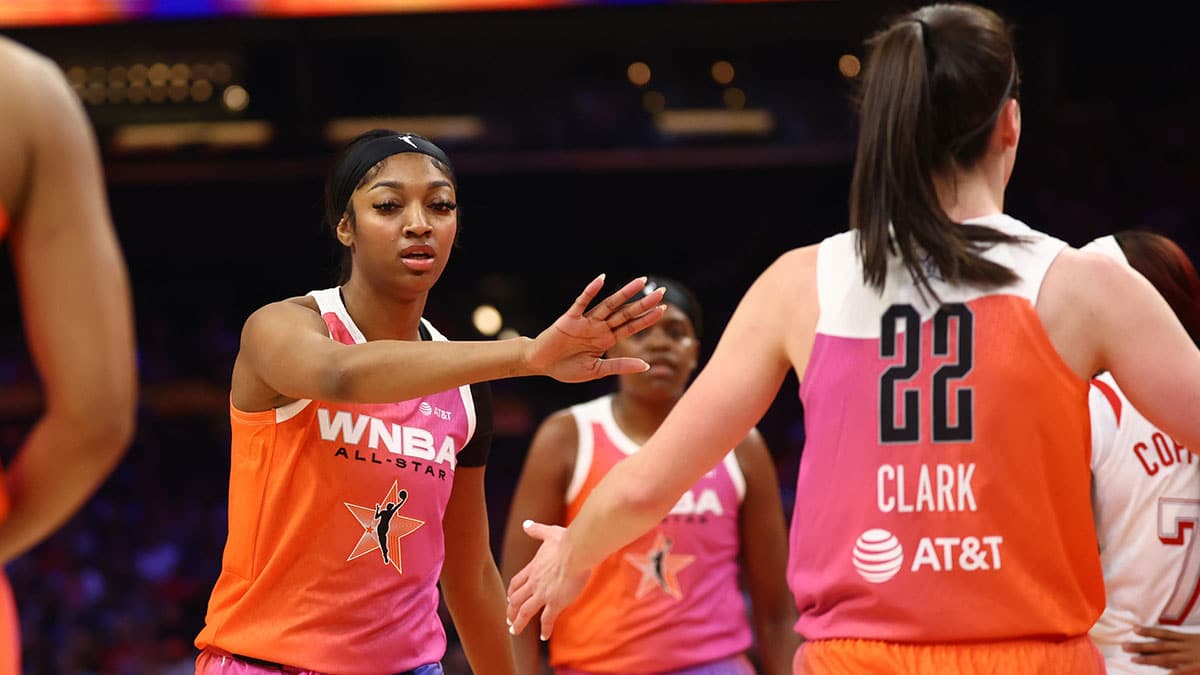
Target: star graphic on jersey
(659, 568)
(383, 528)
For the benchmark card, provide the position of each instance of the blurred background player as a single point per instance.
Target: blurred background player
(1146, 493)
(670, 601)
(76, 311)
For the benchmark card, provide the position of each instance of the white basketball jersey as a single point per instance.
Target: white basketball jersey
(1146, 493)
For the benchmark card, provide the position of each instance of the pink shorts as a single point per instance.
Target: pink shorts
(734, 665)
(216, 662)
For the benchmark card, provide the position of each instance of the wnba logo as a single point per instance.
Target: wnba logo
(425, 408)
(878, 555)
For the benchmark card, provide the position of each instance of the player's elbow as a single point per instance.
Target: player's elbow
(336, 378)
(101, 416)
(644, 498)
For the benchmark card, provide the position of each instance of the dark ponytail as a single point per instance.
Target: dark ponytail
(933, 87)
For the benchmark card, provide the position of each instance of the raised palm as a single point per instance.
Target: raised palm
(572, 348)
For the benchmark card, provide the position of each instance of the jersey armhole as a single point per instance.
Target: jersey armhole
(1110, 394)
(583, 456)
(735, 475)
(1103, 407)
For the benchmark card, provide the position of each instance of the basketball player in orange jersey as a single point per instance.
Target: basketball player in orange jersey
(77, 311)
(670, 601)
(1147, 495)
(360, 436)
(944, 349)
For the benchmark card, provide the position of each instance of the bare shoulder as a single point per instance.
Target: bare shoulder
(1079, 282)
(797, 266)
(31, 102)
(32, 83)
(558, 434)
(306, 301)
(20, 63)
(788, 292)
(787, 283)
(300, 311)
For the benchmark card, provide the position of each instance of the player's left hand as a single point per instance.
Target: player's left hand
(546, 582)
(1168, 649)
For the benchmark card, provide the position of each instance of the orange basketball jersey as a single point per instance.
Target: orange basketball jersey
(670, 599)
(335, 527)
(944, 491)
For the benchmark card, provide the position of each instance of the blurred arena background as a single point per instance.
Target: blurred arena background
(693, 139)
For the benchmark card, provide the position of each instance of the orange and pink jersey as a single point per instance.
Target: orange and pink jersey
(943, 494)
(335, 528)
(670, 599)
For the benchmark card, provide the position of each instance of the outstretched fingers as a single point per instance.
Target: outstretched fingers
(624, 365)
(637, 308)
(614, 302)
(639, 323)
(585, 298)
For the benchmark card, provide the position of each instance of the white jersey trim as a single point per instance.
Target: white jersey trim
(325, 303)
(330, 300)
(734, 469)
(584, 415)
(464, 391)
(599, 411)
(286, 412)
(604, 415)
(1104, 420)
(850, 308)
(1107, 245)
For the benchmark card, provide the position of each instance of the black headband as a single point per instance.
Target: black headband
(677, 295)
(361, 158)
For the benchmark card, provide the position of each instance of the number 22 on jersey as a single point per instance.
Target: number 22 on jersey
(901, 418)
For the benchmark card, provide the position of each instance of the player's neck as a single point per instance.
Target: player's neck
(380, 317)
(640, 417)
(972, 194)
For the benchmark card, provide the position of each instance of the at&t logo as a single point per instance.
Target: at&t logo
(878, 555)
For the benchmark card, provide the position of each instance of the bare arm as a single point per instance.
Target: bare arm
(77, 312)
(1103, 315)
(764, 558)
(470, 581)
(286, 350)
(540, 496)
(771, 330)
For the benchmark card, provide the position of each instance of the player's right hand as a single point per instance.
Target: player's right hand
(572, 348)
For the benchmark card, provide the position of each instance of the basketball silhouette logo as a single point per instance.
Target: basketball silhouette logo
(878, 555)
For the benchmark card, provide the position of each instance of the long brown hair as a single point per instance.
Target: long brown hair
(933, 87)
(1169, 270)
